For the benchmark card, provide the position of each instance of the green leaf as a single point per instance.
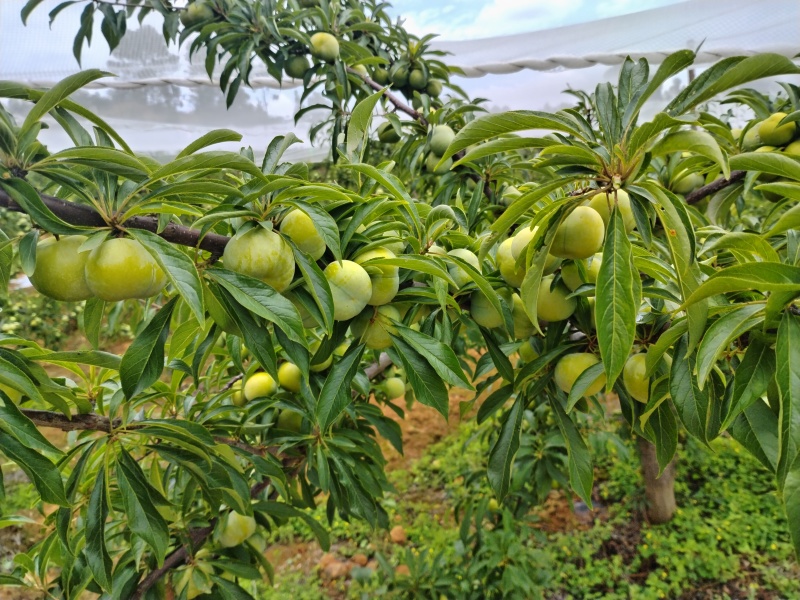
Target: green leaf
(6, 263)
(503, 145)
(95, 358)
(143, 361)
(787, 376)
(501, 456)
(179, 268)
(426, 383)
(142, 516)
(286, 511)
(791, 501)
(721, 333)
(671, 65)
(756, 428)
(693, 404)
(788, 220)
(325, 225)
(764, 277)
(215, 136)
(43, 473)
(748, 242)
(663, 430)
(263, 300)
(335, 395)
(215, 159)
(727, 74)
(17, 425)
(751, 378)
(522, 204)
(14, 377)
(493, 402)
(275, 150)
(581, 473)
(491, 126)
(28, 198)
(91, 319)
(440, 356)
(317, 285)
(27, 252)
(52, 97)
(358, 126)
(774, 163)
(97, 556)
(698, 142)
(619, 294)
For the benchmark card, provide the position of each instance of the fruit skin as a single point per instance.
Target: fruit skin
(580, 235)
(324, 46)
(571, 276)
(793, 149)
(387, 133)
(361, 70)
(60, 271)
(351, 288)
(259, 385)
(752, 139)
(298, 226)
(443, 136)
(554, 305)
(385, 279)
(380, 327)
(196, 13)
(261, 254)
(520, 242)
(398, 76)
(394, 387)
(569, 368)
(296, 66)
(688, 183)
(417, 80)
(380, 75)
(773, 135)
(603, 202)
(433, 160)
(527, 352)
(290, 421)
(236, 529)
(482, 312)
(237, 397)
(120, 269)
(434, 88)
(509, 271)
(290, 377)
(458, 274)
(633, 376)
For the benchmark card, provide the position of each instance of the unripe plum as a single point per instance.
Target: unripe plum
(385, 279)
(325, 46)
(259, 385)
(236, 529)
(752, 139)
(509, 271)
(60, 271)
(603, 202)
(773, 135)
(580, 235)
(520, 242)
(120, 269)
(296, 66)
(394, 387)
(290, 377)
(387, 133)
(433, 160)
(569, 368)
(351, 288)
(523, 327)
(299, 227)
(571, 276)
(688, 183)
(289, 421)
(634, 376)
(459, 274)
(378, 334)
(554, 305)
(434, 88)
(261, 254)
(442, 137)
(417, 80)
(482, 311)
(316, 368)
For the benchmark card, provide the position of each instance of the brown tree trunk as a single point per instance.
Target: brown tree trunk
(659, 491)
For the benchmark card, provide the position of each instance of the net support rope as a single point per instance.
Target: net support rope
(552, 63)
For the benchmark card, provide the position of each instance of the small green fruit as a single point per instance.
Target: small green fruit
(290, 377)
(324, 46)
(442, 137)
(434, 88)
(296, 67)
(509, 271)
(196, 13)
(120, 269)
(381, 327)
(752, 139)
(300, 228)
(289, 421)
(603, 203)
(259, 385)
(398, 76)
(394, 387)
(261, 254)
(580, 235)
(380, 76)
(60, 271)
(773, 135)
(459, 274)
(635, 379)
(236, 529)
(569, 368)
(433, 160)
(351, 288)
(482, 311)
(385, 279)
(417, 79)
(554, 305)
(387, 134)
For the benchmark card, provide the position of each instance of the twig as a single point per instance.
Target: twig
(77, 214)
(398, 104)
(714, 187)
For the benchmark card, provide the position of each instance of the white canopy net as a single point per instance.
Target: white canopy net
(161, 101)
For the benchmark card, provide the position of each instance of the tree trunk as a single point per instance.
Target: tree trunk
(659, 491)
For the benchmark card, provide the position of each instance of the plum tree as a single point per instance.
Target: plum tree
(701, 292)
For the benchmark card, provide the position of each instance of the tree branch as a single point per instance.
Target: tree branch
(398, 104)
(714, 187)
(77, 214)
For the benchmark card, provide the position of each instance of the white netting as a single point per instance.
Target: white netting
(161, 101)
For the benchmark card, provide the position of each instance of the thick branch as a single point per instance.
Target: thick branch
(77, 214)
(714, 187)
(88, 422)
(398, 104)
